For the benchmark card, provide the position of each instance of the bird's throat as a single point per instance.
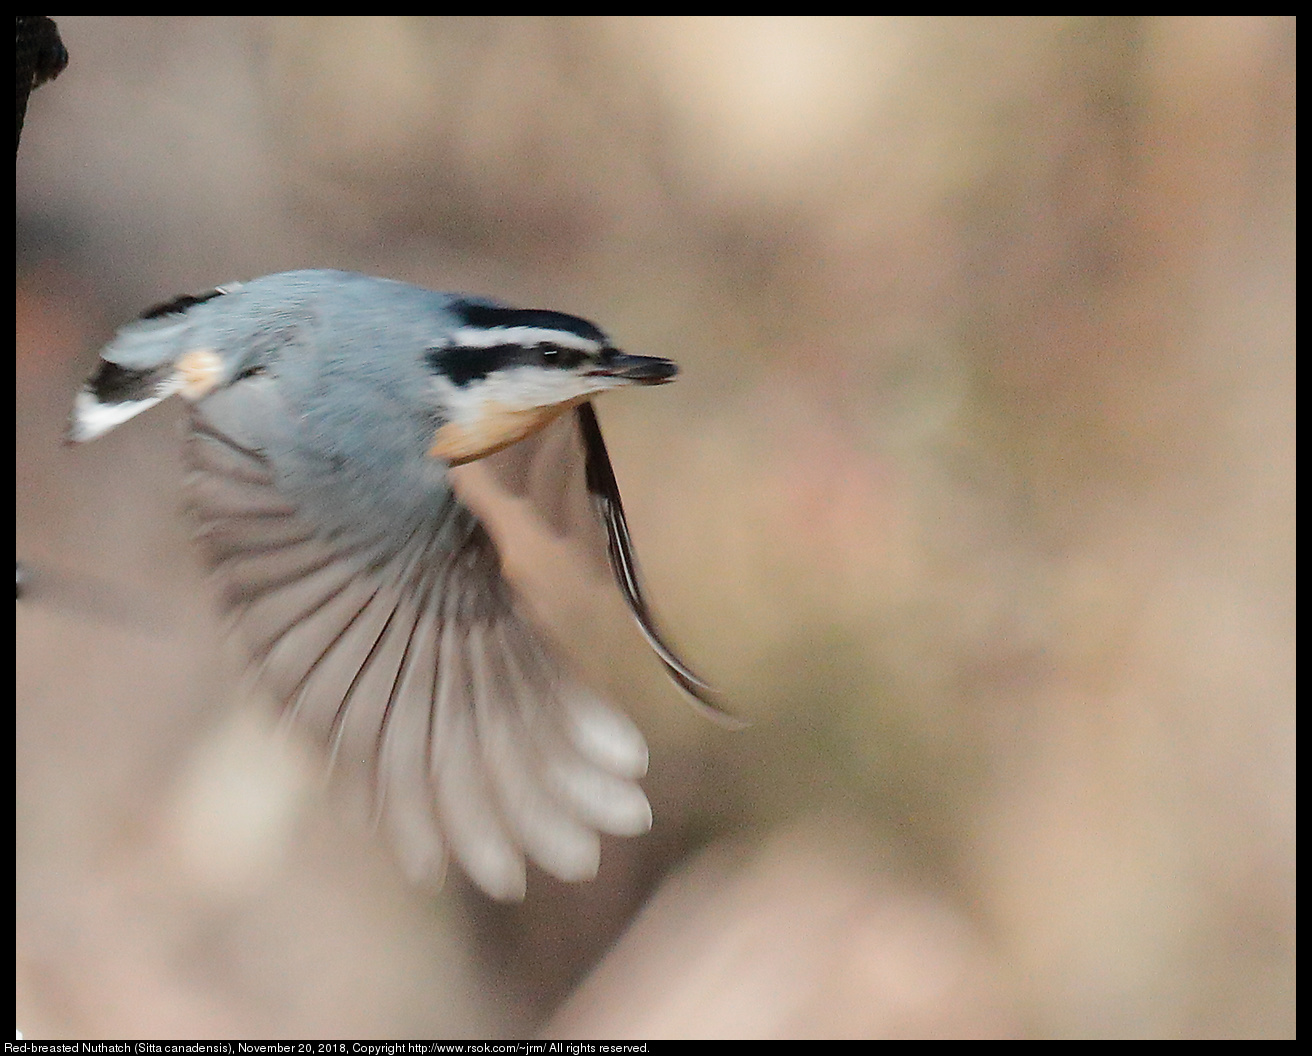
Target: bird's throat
(497, 426)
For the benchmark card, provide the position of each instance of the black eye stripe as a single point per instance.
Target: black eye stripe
(558, 356)
(463, 364)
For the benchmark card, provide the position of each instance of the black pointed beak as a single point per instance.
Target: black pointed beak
(641, 370)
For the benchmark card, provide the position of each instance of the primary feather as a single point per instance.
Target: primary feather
(370, 596)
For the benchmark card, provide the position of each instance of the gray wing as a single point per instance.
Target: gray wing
(408, 660)
(565, 473)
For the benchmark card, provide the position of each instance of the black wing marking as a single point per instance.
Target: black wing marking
(182, 302)
(605, 493)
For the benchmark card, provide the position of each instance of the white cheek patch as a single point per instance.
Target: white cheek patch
(484, 416)
(520, 389)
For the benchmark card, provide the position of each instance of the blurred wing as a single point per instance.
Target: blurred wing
(547, 471)
(409, 660)
(565, 472)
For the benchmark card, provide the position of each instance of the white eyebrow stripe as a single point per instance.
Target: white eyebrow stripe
(477, 337)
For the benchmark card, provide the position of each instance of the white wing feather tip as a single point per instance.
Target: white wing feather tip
(606, 737)
(410, 664)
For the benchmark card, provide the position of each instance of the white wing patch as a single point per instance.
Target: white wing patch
(91, 418)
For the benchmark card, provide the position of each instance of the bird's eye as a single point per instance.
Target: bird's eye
(555, 356)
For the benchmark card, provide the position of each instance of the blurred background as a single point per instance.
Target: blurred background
(976, 496)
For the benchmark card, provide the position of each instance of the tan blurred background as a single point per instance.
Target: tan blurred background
(976, 495)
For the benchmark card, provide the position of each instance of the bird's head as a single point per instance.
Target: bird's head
(504, 373)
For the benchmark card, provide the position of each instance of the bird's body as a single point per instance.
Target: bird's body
(327, 411)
